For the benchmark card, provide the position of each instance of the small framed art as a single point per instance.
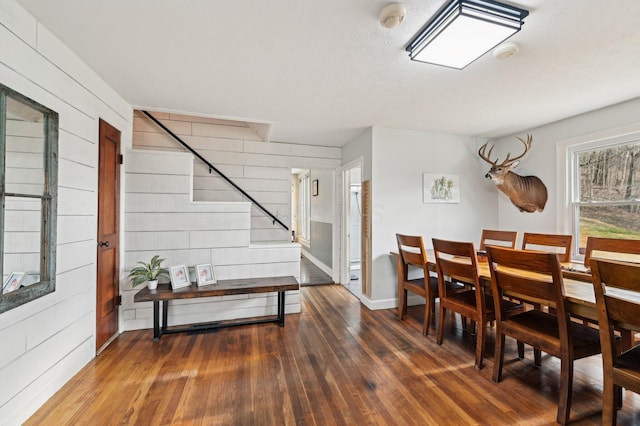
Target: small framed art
(12, 282)
(205, 274)
(314, 188)
(179, 277)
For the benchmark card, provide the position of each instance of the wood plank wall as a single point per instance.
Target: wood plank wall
(263, 169)
(45, 342)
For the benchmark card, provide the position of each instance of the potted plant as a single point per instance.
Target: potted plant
(148, 272)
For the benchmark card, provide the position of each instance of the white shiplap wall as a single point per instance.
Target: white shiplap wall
(262, 169)
(45, 342)
(162, 219)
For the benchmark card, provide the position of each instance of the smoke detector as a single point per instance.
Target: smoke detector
(392, 15)
(506, 50)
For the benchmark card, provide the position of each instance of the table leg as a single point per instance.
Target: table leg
(165, 314)
(281, 308)
(156, 320)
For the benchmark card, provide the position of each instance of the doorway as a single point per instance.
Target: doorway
(352, 178)
(108, 238)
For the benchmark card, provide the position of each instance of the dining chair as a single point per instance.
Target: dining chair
(620, 369)
(457, 260)
(549, 242)
(495, 237)
(536, 277)
(612, 248)
(411, 253)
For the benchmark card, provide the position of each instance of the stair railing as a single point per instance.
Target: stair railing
(212, 167)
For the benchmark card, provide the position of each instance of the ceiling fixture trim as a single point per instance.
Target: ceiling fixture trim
(463, 30)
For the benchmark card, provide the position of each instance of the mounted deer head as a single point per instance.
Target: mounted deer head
(527, 193)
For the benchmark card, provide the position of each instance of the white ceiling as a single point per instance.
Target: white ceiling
(324, 70)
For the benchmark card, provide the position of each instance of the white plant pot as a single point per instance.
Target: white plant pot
(153, 284)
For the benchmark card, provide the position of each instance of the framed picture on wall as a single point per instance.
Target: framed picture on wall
(205, 274)
(440, 188)
(314, 187)
(179, 277)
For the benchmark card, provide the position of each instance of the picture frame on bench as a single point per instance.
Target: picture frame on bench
(205, 275)
(179, 276)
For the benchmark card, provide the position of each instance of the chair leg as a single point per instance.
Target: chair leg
(428, 306)
(520, 350)
(609, 397)
(441, 322)
(498, 356)
(566, 380)
(402, 303)
(537, 357)
(480, 338)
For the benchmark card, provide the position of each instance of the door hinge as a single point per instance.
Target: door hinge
(119, 300)
(121, 159)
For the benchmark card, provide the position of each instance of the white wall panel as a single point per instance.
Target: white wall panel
(74, 255)
(74, 201)
(77, 175)
(74, 148)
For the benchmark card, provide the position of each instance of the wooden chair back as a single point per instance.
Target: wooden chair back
(534, 276)
(411, 251)
(612, 248)
(495, 237)
(620, 310)
(456, 260)
(556, 243)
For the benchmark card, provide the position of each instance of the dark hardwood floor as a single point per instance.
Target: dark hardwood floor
(336, 363)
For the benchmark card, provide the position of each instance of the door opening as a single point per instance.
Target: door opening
(352, 178)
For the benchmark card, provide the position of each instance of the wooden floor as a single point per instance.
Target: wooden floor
(335, 363)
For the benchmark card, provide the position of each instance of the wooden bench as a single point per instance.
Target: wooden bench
(164, 293)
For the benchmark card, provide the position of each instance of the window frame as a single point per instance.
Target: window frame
(49, 202)
(568, 151)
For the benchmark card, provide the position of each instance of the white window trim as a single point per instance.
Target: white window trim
(564, 158)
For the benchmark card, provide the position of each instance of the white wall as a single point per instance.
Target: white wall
(543, 161)
(45, 342)
(399, 159)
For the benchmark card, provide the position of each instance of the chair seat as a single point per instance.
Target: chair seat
(586, 340)
(433, 281)
(629, 360)
(469, 298)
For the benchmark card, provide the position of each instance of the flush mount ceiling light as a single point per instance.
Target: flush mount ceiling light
(464, 30)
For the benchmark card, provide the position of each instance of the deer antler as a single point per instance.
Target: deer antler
(527, 146)
(508, 160)
(487, 158)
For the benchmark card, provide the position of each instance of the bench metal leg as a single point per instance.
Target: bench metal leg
(156, 320)
(281, 308)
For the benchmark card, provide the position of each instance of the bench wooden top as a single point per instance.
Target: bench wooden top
(221, 288)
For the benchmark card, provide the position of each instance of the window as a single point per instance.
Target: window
(605, 189)
(28, 196)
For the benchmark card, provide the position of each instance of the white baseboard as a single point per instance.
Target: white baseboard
(316, 262)
(375, 305)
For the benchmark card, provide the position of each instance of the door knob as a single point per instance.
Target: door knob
(103, 244)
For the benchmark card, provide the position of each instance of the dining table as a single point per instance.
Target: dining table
(578, 291)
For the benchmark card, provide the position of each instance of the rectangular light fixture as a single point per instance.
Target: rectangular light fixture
(464, 30)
